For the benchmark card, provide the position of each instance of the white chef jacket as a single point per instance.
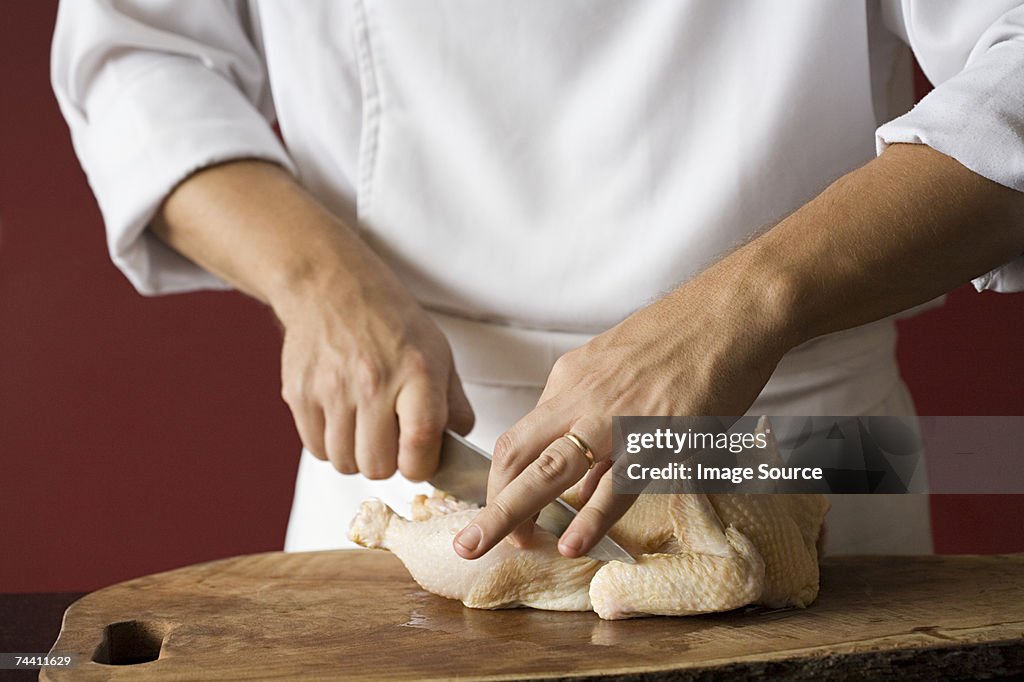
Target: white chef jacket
(536, 171)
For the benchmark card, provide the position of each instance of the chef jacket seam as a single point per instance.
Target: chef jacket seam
(370, 135)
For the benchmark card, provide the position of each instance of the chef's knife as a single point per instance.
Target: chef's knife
(463, 471)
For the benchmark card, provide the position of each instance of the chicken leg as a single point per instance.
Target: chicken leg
(505, 577)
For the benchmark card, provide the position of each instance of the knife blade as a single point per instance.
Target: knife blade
(463, 471)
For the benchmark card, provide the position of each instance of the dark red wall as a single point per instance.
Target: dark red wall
(965, 358)
(135, 434)
(142, 434)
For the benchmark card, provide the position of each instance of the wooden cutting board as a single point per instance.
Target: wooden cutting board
(356, 615)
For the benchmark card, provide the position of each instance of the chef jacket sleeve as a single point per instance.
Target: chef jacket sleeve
(153, 91)
(973, 51)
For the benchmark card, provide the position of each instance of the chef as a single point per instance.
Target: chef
(532, 216)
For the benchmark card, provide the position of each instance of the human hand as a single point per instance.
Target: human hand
(368, 376)
(708, 348)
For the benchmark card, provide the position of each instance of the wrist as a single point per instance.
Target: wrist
(299, 282)
(343, 273)
(759, 296)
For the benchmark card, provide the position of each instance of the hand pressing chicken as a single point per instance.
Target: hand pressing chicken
(695, 554)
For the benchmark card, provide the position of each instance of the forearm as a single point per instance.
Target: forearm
(366, 373)
(903, 229)
(251, 224)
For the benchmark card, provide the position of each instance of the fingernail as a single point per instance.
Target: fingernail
(469, 539)
(571, 541)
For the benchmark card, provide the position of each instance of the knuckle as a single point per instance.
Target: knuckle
(330, 388)
(369, 378)
(424, 432)
(590, 518)
(501, 511)
(461, 420)
(573, 361)
(415, 362)
(291, 393)
(504, 450)
(564, 365)
(550, 466)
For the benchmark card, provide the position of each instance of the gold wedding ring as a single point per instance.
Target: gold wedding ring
(582, 446)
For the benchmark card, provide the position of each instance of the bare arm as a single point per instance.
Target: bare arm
(368, 376)
(904, 228)
(251, 224)
(907, 227)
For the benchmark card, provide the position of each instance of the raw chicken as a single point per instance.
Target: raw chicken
(695, 554)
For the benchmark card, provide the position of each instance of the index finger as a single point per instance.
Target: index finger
(559, 466)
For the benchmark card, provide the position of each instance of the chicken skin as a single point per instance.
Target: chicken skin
(694, 554)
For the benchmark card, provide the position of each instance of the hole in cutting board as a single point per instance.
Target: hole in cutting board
(130, 642)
